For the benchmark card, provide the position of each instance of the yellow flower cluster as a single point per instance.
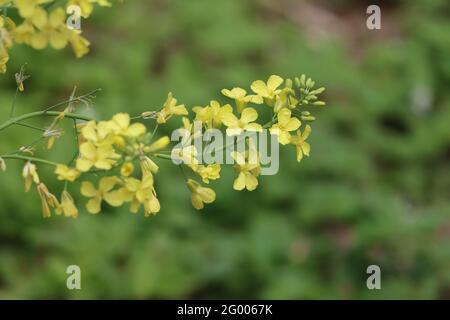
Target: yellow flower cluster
(42, 23)
(113, 149)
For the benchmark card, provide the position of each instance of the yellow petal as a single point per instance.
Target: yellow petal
(107, 183)
(299, 153)
(39, 41)
(57, 18)
(207, 195)
(58, 40)
(229, 120)
(88, 150)
(306, 132)
(253, 127)
(306, 148)
(239, 183)
(196, 201)
(39, 17)
(284, 116)
(250, 181)
(136, 130)
(103, 164)
(88, 189)
(260, 88)
(84, 165)
(180, 110)
(114, 198)
(122, 120)
(249, 115)
(274, 82)
(94, 205)
(284, 137)
(293, 124)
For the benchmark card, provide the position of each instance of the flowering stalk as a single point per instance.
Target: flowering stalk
(126, 152)
(17, 120)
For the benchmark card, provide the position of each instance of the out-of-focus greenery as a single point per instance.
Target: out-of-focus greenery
(374, 191)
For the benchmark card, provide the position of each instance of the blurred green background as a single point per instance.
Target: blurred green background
(374, 191)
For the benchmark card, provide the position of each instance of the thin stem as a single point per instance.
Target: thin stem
(13, 121)
(29, 146)
(26, 158)
(153, 133)
(182, 172)
(77, 140)
(13, 105)
(162, 156)
(29, 126)
(72, 99)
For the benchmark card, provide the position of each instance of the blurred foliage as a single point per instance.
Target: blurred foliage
(374, 191)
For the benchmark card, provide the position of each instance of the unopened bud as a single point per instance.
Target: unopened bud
(148, 165)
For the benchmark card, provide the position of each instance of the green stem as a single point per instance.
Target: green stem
(73, 99)
(163, 156)
(26, 158)
(78, 142)
(153, 133)
(13, 121)
(13, 105)
(29, 126)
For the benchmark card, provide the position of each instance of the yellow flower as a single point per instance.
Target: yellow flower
(97, 132)
(248, 172)
(120, 124)
(200, 195)
(240, 97)
(268, 91)
(113, 198)
(24, 32)
(127, 169)
(186, 155)
(65, 173)
(67, 206)
(141, 192)
(47, 199)
(51, 29)
(302, 146)
(209, 172)
(30, 174)
(213, 114)
(29, 8)
(236, 126)
(285, 99)
(102, 157)
(170, 108)
(284, 125)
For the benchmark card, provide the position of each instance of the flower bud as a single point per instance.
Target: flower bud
(148, 165)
